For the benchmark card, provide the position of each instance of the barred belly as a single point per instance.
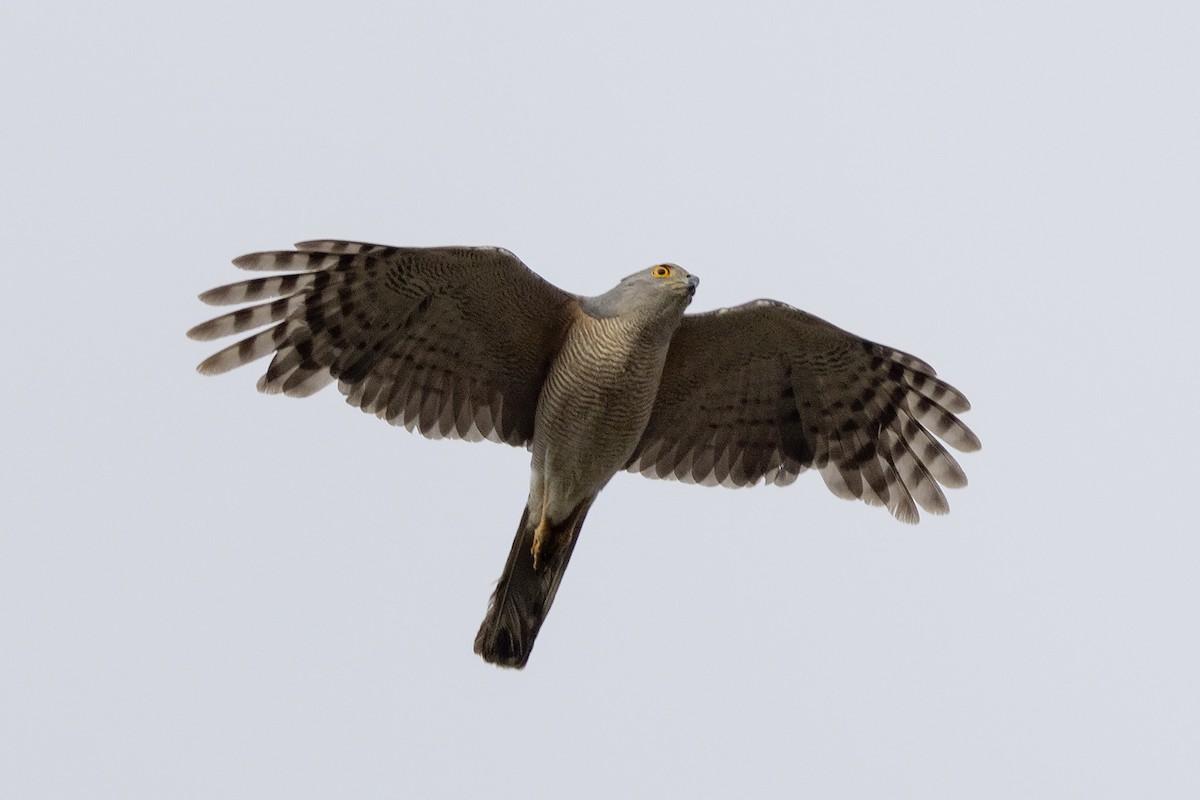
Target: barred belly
(593, 409)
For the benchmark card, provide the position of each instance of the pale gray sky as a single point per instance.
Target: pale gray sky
(209, 593)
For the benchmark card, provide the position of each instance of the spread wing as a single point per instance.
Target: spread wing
(764, 391)
(449, 341)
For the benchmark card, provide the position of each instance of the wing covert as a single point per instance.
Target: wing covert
(449, 341)
(763, 391)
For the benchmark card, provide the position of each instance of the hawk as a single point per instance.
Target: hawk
(469, 343)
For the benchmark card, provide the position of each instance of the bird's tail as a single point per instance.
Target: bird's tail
(524, 594)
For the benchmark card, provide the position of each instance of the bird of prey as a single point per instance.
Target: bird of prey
(468, 342)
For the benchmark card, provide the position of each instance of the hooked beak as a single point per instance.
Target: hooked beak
(693, 282)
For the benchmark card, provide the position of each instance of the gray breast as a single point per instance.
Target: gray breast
(596, 400)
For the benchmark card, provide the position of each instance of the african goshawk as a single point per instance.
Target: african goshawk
(467, 342)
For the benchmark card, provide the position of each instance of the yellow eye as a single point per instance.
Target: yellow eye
(661, 271)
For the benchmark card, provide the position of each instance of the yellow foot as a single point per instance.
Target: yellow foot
(539, 541)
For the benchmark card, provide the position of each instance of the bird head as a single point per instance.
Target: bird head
(661, 290)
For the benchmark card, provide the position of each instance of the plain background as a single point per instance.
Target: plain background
(208, 593)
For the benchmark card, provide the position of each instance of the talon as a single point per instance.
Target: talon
(539, 541)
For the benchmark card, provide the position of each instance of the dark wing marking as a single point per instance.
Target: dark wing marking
(449, 341)
(764, 391)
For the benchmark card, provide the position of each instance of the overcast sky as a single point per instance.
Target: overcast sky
(210, 593)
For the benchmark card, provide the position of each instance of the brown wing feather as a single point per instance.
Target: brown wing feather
(448, 341)
(764, 391)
